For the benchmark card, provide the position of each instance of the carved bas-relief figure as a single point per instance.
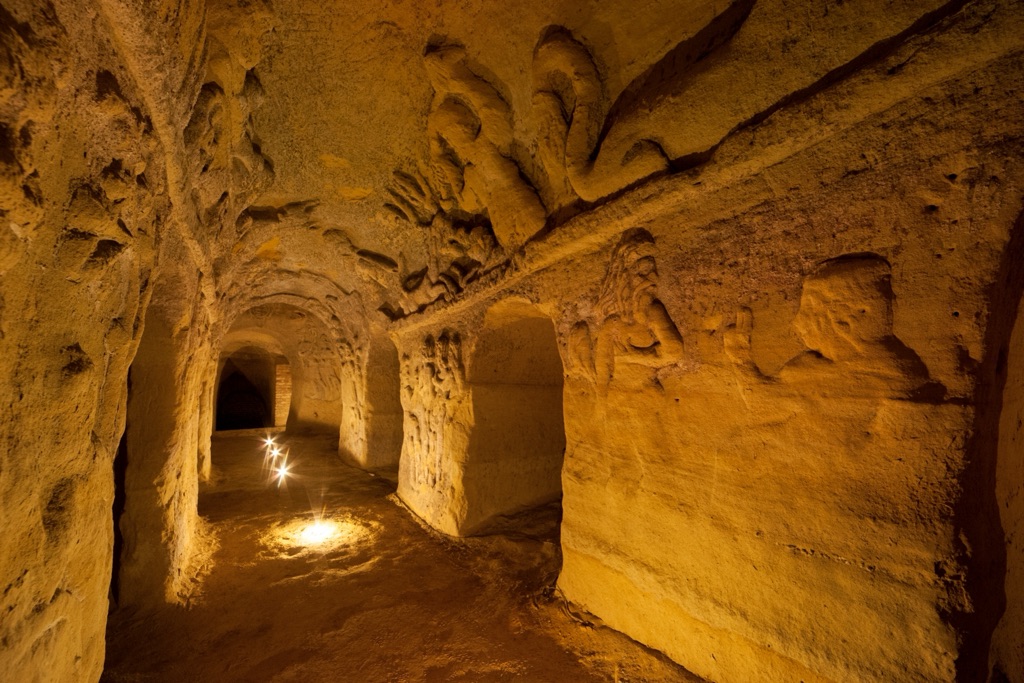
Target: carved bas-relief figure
(433, 384)
(470, 195)
(569, 109)
(456, 256)
(470, 139)
(846, 322)
(633, 329)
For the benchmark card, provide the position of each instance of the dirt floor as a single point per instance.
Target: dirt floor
(386, 599)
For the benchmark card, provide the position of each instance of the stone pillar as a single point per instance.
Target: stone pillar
(163, 534)
(206, 419)
(437, 424)
(282, 393)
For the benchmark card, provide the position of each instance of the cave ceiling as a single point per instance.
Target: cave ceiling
(335, 97)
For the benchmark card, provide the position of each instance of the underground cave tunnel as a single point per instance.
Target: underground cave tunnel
(667, 341)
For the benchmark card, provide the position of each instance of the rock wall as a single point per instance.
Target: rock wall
(778, 368)
(83, 204)
(83, 201)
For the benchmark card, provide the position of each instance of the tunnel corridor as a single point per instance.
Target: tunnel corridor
(594, 340)
(276, 606)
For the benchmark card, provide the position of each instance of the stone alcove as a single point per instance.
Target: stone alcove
(517, 443)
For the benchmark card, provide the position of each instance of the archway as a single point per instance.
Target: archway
(518, 441)
(246, 388)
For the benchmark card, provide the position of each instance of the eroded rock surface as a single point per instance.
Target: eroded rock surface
(739, 281)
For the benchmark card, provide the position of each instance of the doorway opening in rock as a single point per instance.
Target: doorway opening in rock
(518, 441)
(246, 390)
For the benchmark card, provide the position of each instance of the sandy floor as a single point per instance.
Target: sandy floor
(386, 600)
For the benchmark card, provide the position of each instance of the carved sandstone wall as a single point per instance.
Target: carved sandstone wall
(776, 381)
(83, 202)
(775, 246)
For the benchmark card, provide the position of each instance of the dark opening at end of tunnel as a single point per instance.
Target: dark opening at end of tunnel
(244, 393)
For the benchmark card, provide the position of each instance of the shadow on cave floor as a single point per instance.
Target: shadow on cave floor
(390, 601)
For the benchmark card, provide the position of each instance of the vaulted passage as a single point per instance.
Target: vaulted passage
(547, 340)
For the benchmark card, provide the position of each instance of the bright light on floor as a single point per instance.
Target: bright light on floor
(318, 532)
(318, 536)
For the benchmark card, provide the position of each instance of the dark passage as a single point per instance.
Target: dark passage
(240, 403)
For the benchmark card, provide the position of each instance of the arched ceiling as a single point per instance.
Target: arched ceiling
(376, 157)
(347, 91)
(322, 103)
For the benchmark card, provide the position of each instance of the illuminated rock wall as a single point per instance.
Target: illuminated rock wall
(778, 374)
(1008, 640)
(83, 201)
(776, 246)
(165, 545)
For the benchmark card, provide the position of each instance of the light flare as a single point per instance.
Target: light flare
(280, 472)
(318, 535)
(318, 532)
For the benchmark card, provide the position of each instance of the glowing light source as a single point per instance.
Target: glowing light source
(269, 442)
(318, 532)
(280, 472)
(275, 452)
(319, 535)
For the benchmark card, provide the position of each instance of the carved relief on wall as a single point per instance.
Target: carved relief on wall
(321, 362)
(433, 385)
(471, 196)
(226, 158)
(569, 109)
(475, 175)
(631, 327)
(732, 71)
(845, 321)
(456, 256)
(470, 140)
